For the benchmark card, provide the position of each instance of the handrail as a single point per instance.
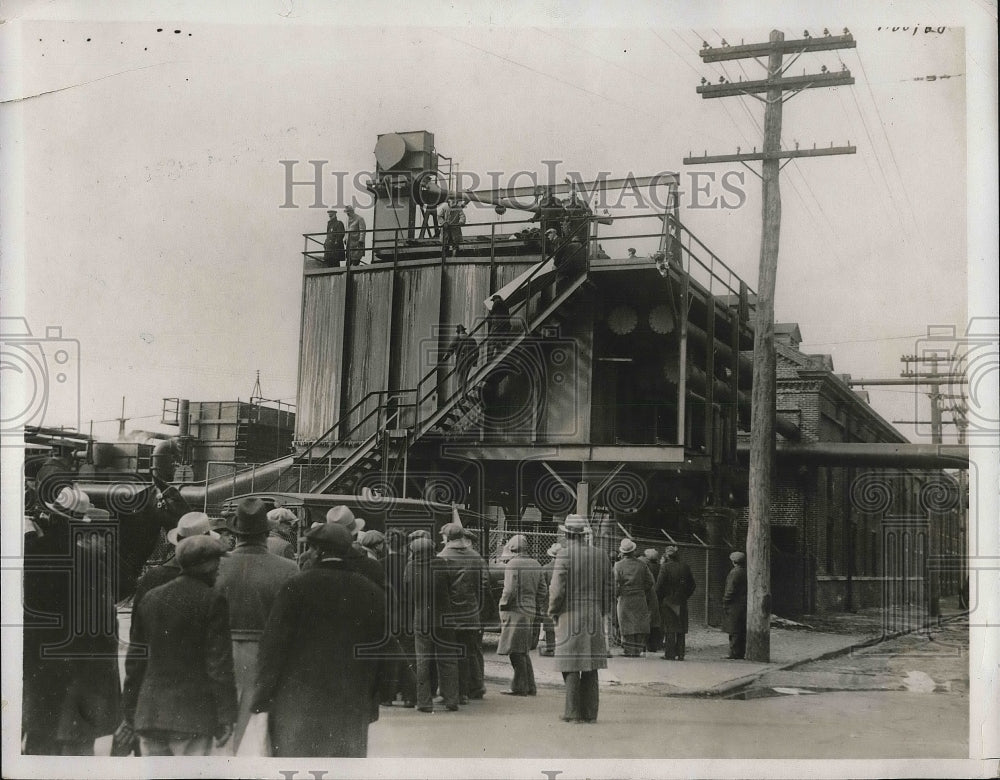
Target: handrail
(484, 323)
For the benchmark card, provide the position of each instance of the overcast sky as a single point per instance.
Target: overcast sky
(151, 224)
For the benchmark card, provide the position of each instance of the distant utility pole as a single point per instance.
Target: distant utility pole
(762, 400)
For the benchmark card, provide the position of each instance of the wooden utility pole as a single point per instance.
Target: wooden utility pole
(763, 395)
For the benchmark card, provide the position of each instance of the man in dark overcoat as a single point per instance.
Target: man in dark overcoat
(333, 246)
(427, 583)
(250, 578)
(179, 684)
(318, 686)
(71, 693)
(470, 587)
(401, 674)
(674, 587)
(651, 557)
(579, 599)
(734, 604)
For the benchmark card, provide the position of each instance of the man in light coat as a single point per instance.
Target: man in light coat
(522, 603)
(250, 578)
(179, 685)
(633, 589)
(578, 601)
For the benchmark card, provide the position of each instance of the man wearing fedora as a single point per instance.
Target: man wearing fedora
(319, 688)
(674, 587)
(522, 602)
(190, 524)
(734, 605)
(359, 559)
(470, 587)
(179, 686)
(427, 587)
(633, 589)
(70, 666)
(333, 246)
(578, 601)
(250, 578)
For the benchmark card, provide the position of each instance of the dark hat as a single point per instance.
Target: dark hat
(332, 538)
(331, 211)
(460, 328)
(197, 549)
(250, 518)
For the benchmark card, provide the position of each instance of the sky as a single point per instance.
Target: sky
(151, 216)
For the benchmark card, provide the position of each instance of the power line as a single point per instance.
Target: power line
(892, 153)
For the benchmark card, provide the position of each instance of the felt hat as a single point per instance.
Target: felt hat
(626, 547)
(250, 518)
(421, 533)
(331, 537)
(574, 525)
(191, 524)
(193, 550)
(737, 557)
(651, 553)
(71, 502)
(342, 515)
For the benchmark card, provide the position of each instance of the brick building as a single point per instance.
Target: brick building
(847, 536)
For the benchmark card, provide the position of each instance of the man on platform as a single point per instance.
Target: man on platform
(355, 236)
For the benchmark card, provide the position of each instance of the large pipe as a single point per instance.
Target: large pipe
(697, 380)
(899, 455)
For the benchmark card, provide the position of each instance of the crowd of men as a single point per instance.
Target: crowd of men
(234, 625)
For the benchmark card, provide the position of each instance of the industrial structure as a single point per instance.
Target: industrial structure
(591, 381)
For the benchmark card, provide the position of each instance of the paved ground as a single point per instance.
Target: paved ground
(902, 698)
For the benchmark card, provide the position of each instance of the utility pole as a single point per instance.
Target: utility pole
(762, 413)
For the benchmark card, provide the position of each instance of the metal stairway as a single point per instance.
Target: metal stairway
(381, 452)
